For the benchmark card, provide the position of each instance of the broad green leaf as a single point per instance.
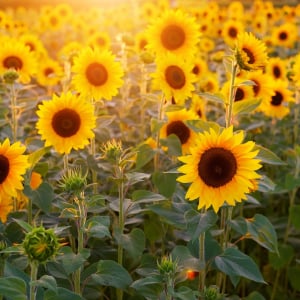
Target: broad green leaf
(34, 157)
(213, 97)
(145, 196)
(110, 273)
(27, 227)
(199, 223)
(172, 142)
(61, 294)
(185, 259)
(13, 288)
(294, 277)
(291, 182)
(255, 296)
(267, 156)
(235, 263)
(294, 212)
(165, 183)
(134, 242)
(266, 185)
(153, 227)
(144, 155)
(98, 227)
(261, 230)
(71, 261)
(135, 177)
(283, 258)
(185, 293)
(149, 287)
(156, 125)
(47, 282)
(245, 106)
(239, 224)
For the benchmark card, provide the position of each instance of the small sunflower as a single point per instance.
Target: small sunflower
(66, 122)
(17, 56)
(176, 125)
(174, 31)
(231, 29)
(198, 106)
(277, 68)
(13, 165)
(241, 92)
(174, 77)
(100, 40)
(285, 35)
(277, 106)
(251, 53)
(220, 168)
(97, 74)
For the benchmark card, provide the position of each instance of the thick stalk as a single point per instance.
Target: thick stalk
(202, 273)
(14, 122)
(33, 277)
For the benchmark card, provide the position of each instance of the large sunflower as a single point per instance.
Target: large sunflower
(13, 165)
(174, 31)
(251, 53)
(220, 168)
(17, 56)
(277, 106)
(66, 122)
(97, 74)
(174, 77)
(176, 125)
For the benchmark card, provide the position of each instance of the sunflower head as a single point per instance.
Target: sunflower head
(10, 76)
(250, 52)
(220, 168)
(40, 244)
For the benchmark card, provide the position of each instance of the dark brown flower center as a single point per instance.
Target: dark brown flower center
(175, 77)
(172, 37)
(217, 167)
(276, 72)
(251, 57)
(283, 36)
(66, 122)
(232, 32)
(256, 87)
(101, 41)
(142, 44)
(239, 94)
(48, 71)
(13, 62)
(180, 129)
(4, 168)
(277, 99)
(96, 74)
(196, 70)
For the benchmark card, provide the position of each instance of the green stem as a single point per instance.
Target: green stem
(66, 162)
(14, 124)
(202, 273)
(33, 277)
(275, 285)
(29, 210)
(229, 107)
(121, 225)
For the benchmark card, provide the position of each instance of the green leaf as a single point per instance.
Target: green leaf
(47, 282)
(172, 142)
(145, 196)
(261, 230)
(135, 177)
(235, 263)
(156, 125)
(134, 242)
(294, 277)
(27, 227)
(185, 259)
(184, 293)
(267, 156)
(149, 287)
(255, 296)
(165, 183)
(144, 155)
(245, 106)
(71, 261)
(294, 212)
(247, 83)
(13, 288)
(283, 258)
(239, 224)
(199, 223)
(113, 274)
(213, 97)
(62, 294)
(98, 227)
(34, 157)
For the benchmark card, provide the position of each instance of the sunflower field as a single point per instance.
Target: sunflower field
(150, 150)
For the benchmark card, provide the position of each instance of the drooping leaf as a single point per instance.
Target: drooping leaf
(98, 227)
(145, 196)
(61, 294)
(13, 288)
(267, 156)
(134, 242)
(235, 263)
(172, 142)
(283, 258)
(144, 155)
(165, 183)
(34, 157)
(47, 282)
(213, 97)
(245, 106)
(110, 273)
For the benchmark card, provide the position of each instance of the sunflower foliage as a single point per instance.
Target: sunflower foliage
(149, 151)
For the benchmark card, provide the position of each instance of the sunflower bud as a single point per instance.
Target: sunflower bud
(211, 293)
(147, 57)
(10, 76)
(112, 150)
(167, 266)
(41, 244)
(73, 181)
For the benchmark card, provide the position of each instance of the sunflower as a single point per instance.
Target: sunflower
(285, 35)
(100, 40)
(277, 68)
(176, 125)
(66, 122)
(15, 55)
(200, 67)
(220, 168)
(97, 74)
(13, 164)
(230, 31)
(6, 206)
(174, 77)
(251, 53)
(209, 83)
(174, 31)
(34, 43)
(241, 92)
(277, 106)
(198, 106)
